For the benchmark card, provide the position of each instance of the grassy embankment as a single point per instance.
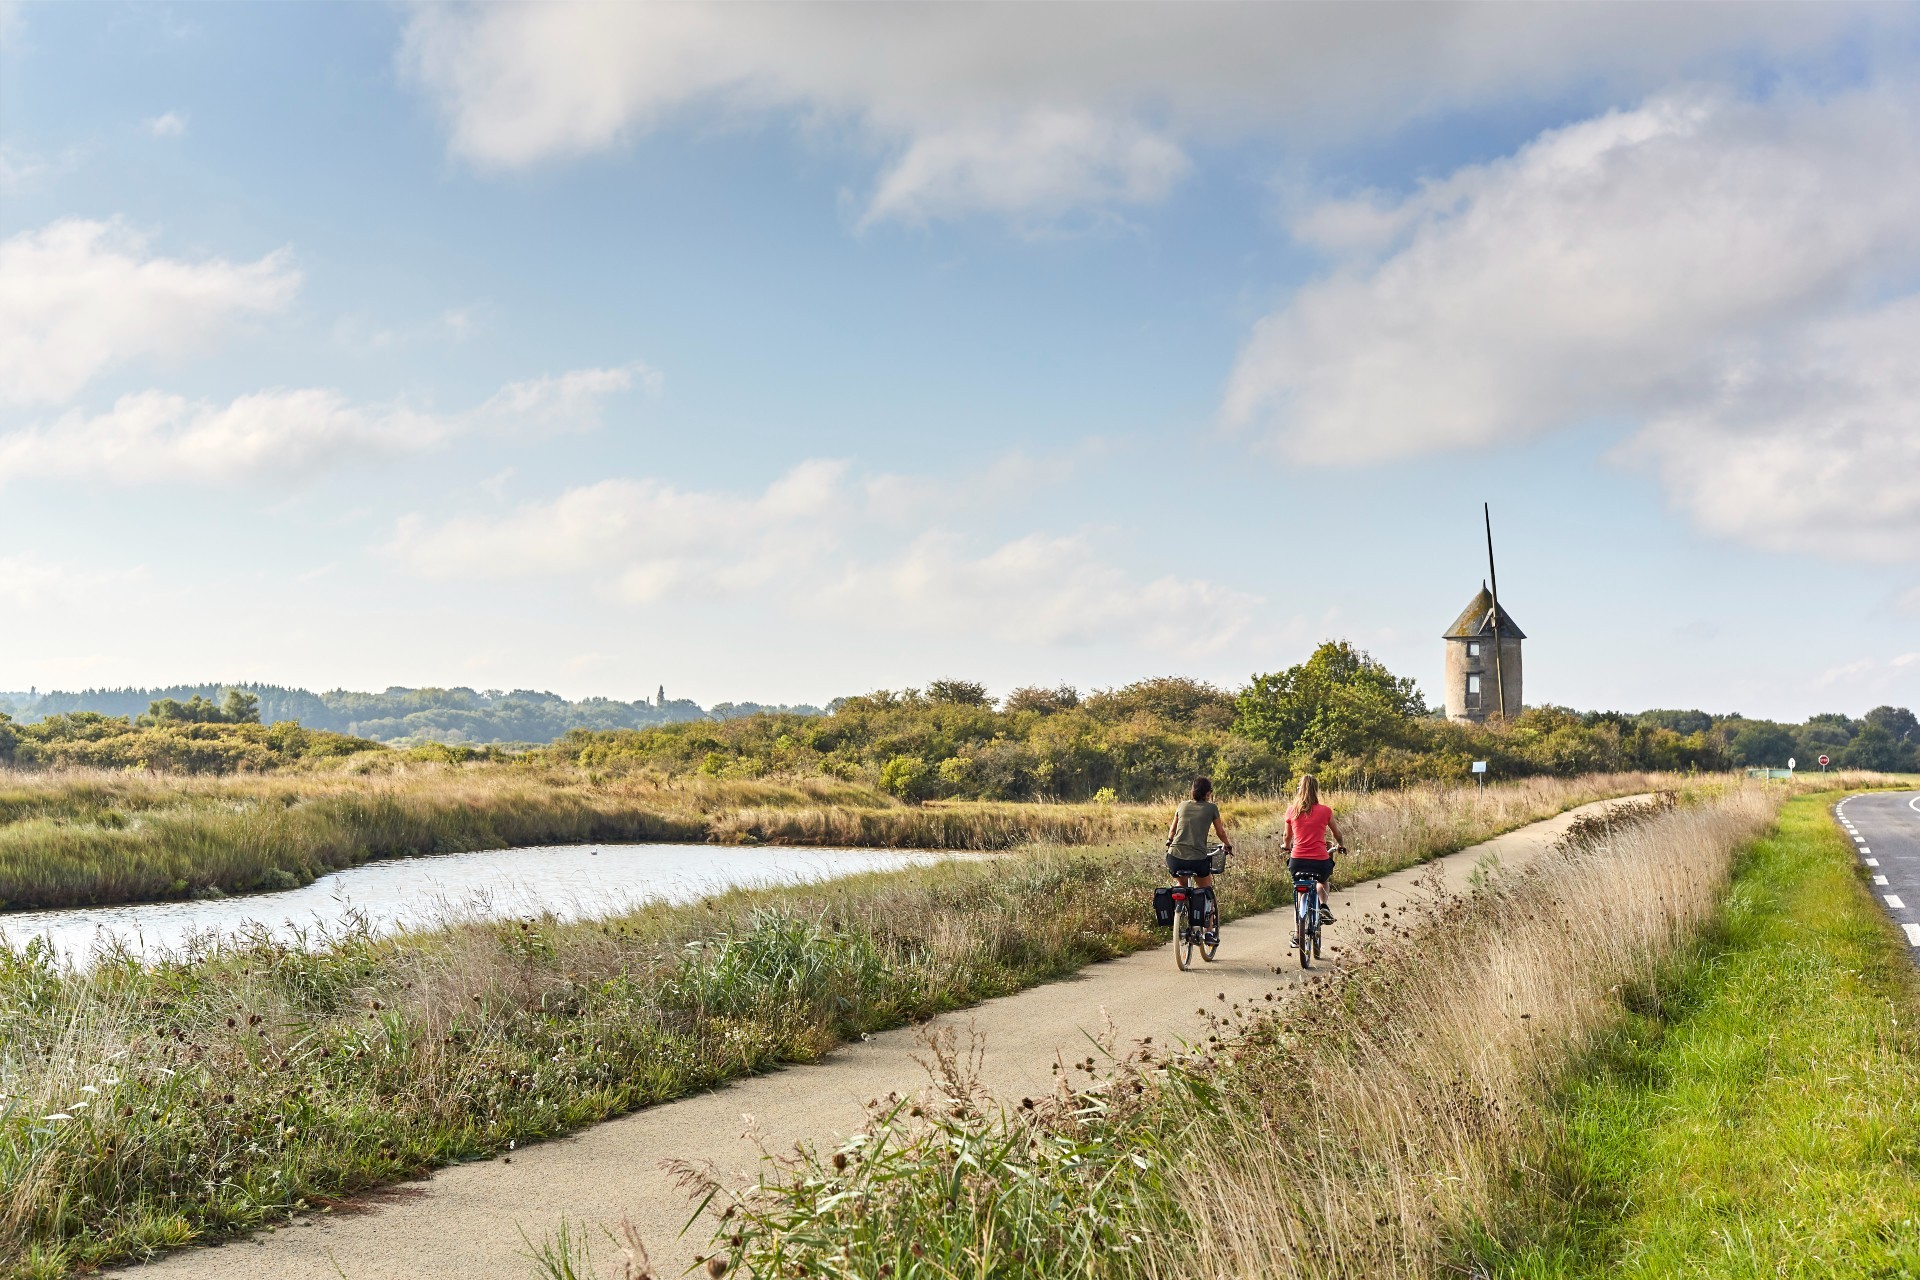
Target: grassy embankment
(1762, 1118)
(149, 1106)
(82, 837)
(1752, 1114)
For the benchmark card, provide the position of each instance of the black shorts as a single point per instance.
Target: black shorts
(1180, 866)
(1320, 868)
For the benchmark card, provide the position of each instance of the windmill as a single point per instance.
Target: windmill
(1474, 673)
(1493, 616)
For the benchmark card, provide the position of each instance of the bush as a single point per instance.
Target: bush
(907, 777)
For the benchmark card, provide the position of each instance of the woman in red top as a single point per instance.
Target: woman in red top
(1308, 822)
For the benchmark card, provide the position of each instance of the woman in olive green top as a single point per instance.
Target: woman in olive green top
(1193, 822)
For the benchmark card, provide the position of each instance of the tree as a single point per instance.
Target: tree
(240, 708)
(1898, 721)
(1339, 702)
(907, 777)
(959, 693)
(1175, 699)
(1045, 701)
(1763, 743)
(1877, 749)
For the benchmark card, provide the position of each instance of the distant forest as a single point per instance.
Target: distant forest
(401, 715)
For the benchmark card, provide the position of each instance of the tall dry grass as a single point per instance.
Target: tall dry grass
(1355, 1133)
(90, 837)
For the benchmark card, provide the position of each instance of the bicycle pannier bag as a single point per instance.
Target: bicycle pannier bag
(1163, 905)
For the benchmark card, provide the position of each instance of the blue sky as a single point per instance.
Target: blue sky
(784, 352)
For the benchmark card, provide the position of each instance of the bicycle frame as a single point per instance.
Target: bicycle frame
(1306, 916)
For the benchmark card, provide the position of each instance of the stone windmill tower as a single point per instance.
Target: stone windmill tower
(1483, 655)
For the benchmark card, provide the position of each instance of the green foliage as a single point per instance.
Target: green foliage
(176, 739)
(1337, 704)
(237, 707)
(908, 777)
(1144, 741)
(959, 693)
(1763, 743)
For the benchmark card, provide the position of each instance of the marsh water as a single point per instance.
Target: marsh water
(573, 882)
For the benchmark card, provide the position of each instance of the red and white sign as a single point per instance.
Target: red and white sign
(1823, 762)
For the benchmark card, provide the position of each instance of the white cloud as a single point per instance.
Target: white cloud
(78, 297)
(1809, 443)
(1044, 164)
(32, 582)
(1866, 681)
(154, 437)
(1690, 263)
(1588, 274)
(1040, 589)
(644, 539)
(169, 125)
(17, 168)
(807, 542)
(564, 402)
(975, 101)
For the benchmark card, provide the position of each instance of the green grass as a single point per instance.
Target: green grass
(1759, 1114)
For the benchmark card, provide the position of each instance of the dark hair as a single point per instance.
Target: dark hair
(1202, 788)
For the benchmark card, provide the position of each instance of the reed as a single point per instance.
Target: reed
(150, 1104)
(87, 837)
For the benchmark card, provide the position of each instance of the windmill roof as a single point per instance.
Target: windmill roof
(1476, 620)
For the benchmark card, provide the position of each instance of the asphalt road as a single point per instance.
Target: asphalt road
(1885, 829)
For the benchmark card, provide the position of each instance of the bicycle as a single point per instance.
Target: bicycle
(1306, 917)
(1196, 914)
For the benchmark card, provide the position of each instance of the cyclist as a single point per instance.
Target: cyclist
(1308, 822)
(1187, 857)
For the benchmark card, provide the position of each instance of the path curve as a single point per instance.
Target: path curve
(467, 1220)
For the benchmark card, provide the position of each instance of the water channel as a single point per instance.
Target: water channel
(573, 882)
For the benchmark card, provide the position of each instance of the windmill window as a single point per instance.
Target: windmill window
(1473, 648)
(1473, 691)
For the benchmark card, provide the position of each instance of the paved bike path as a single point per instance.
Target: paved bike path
(467, 1221)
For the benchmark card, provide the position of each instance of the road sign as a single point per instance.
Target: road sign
(1823, 764)
(1791, 766)
(1479, 766)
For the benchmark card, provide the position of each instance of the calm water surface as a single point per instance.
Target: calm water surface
(574, 882)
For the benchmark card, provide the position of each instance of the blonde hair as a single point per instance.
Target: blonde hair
(1306, 795)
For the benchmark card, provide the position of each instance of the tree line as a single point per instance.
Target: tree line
(1340, 714)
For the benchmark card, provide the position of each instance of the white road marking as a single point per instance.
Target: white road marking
(1913, 934)
(1879, 879)
(1859, 839)
(1873, 862)
(1893, 900)
(1864, 851)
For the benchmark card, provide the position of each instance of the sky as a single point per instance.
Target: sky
(783, 352)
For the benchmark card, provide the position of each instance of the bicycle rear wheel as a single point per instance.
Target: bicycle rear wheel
(1302, 937)
(1182, 938)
